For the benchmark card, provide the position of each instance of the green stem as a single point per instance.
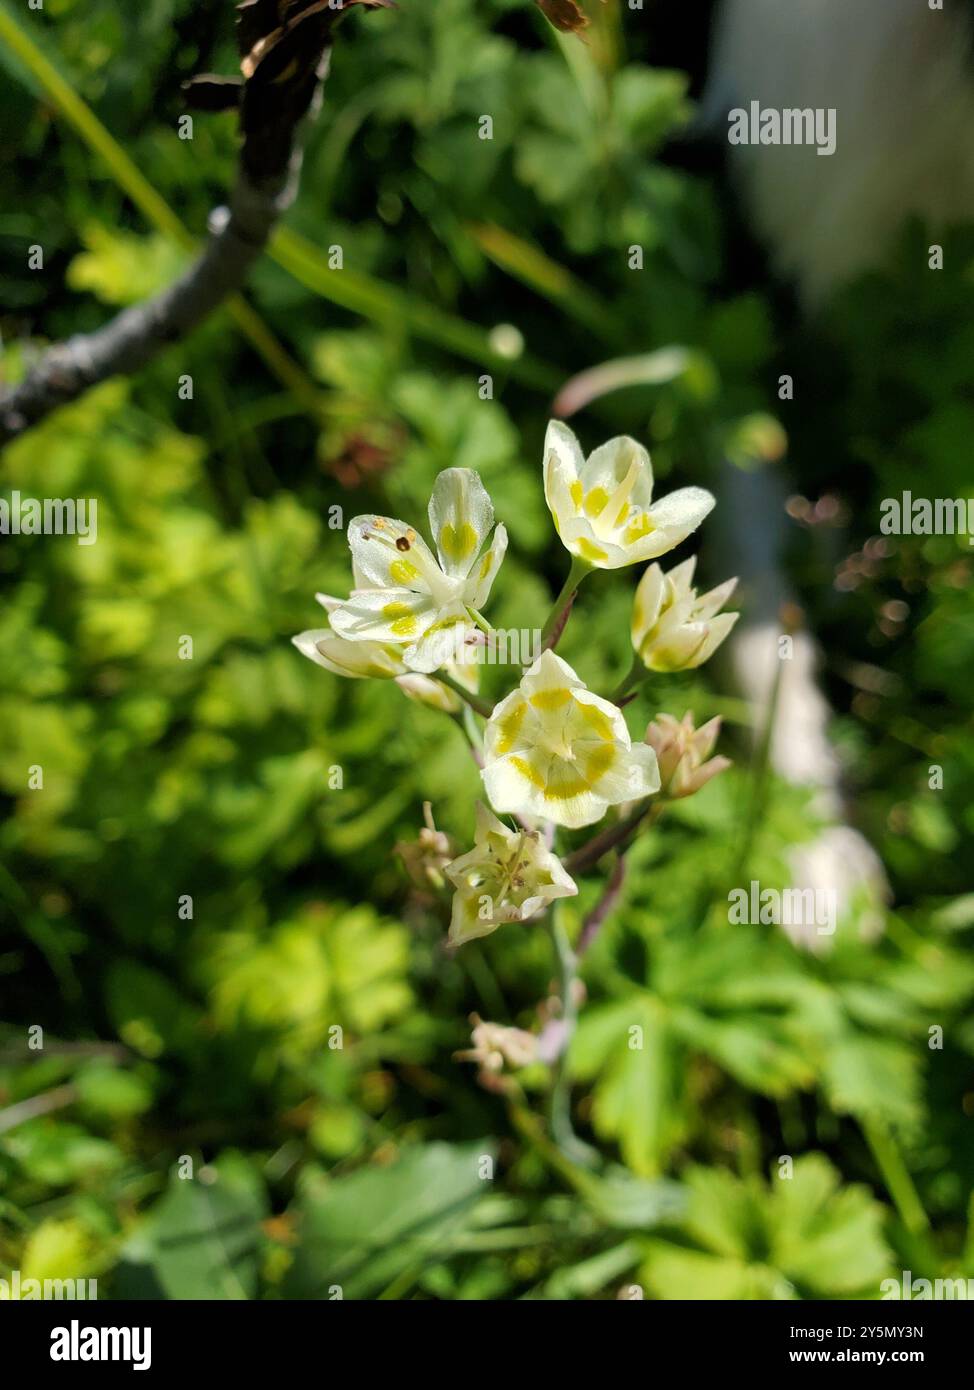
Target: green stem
(636, 674)
(474, 701)
(561, 1122)
(896, 1176)
(759, 776)
(559, 612)
(530, 1128)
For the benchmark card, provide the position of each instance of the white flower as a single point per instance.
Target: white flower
(603, 506)
(381, 660)
(508, 876)
(553, 749)
(403, 594)
(673, 629)
(682, 752)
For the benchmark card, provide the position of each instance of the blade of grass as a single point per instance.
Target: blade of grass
(899, 1184)
(384, 304)
(535, 268)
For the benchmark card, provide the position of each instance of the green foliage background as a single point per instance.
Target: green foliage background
(208, 1038)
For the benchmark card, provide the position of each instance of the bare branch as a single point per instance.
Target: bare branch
(285, 47)
(44, 1104)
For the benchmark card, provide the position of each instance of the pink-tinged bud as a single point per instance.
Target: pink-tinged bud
(682, 753)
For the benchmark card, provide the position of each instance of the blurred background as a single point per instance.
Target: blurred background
(199, 1035)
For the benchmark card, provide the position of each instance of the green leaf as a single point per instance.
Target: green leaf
(873, 1076)
(648, 103)
(588, 1277)
(805, 1236)
(56, 1250)
(112, 1092)
(58, 1154)
(202, 1239)
(671, 1272)
(147, 1012)
(122, 268)
(627, 1047)
(363, 1231)
(828, 1238)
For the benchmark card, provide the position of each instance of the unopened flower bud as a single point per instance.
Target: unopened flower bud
(683, 752)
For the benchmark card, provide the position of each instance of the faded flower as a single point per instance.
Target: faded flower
(496, 1046)
(426, 857)
(508, 876)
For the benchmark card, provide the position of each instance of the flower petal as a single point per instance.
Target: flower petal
(441, 642)
(646, 604)
(487, 824)
(718, 629)
(487, 567)
(597, 720)
(388, 554)
(563, 462)
(509, 728)
(709, 604)
(426, 691)
(466, 923)
(514, 783)
(680, 578)
(674, 517)
(548, 673)
(677, 648)
(461, 515)
(643, 774)
(357, 660)
(579, 538)
(383, 615)
(616, 477)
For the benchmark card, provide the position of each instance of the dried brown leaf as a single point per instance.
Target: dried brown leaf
(566, 15)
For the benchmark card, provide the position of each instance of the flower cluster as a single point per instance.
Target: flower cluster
(552, 752)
